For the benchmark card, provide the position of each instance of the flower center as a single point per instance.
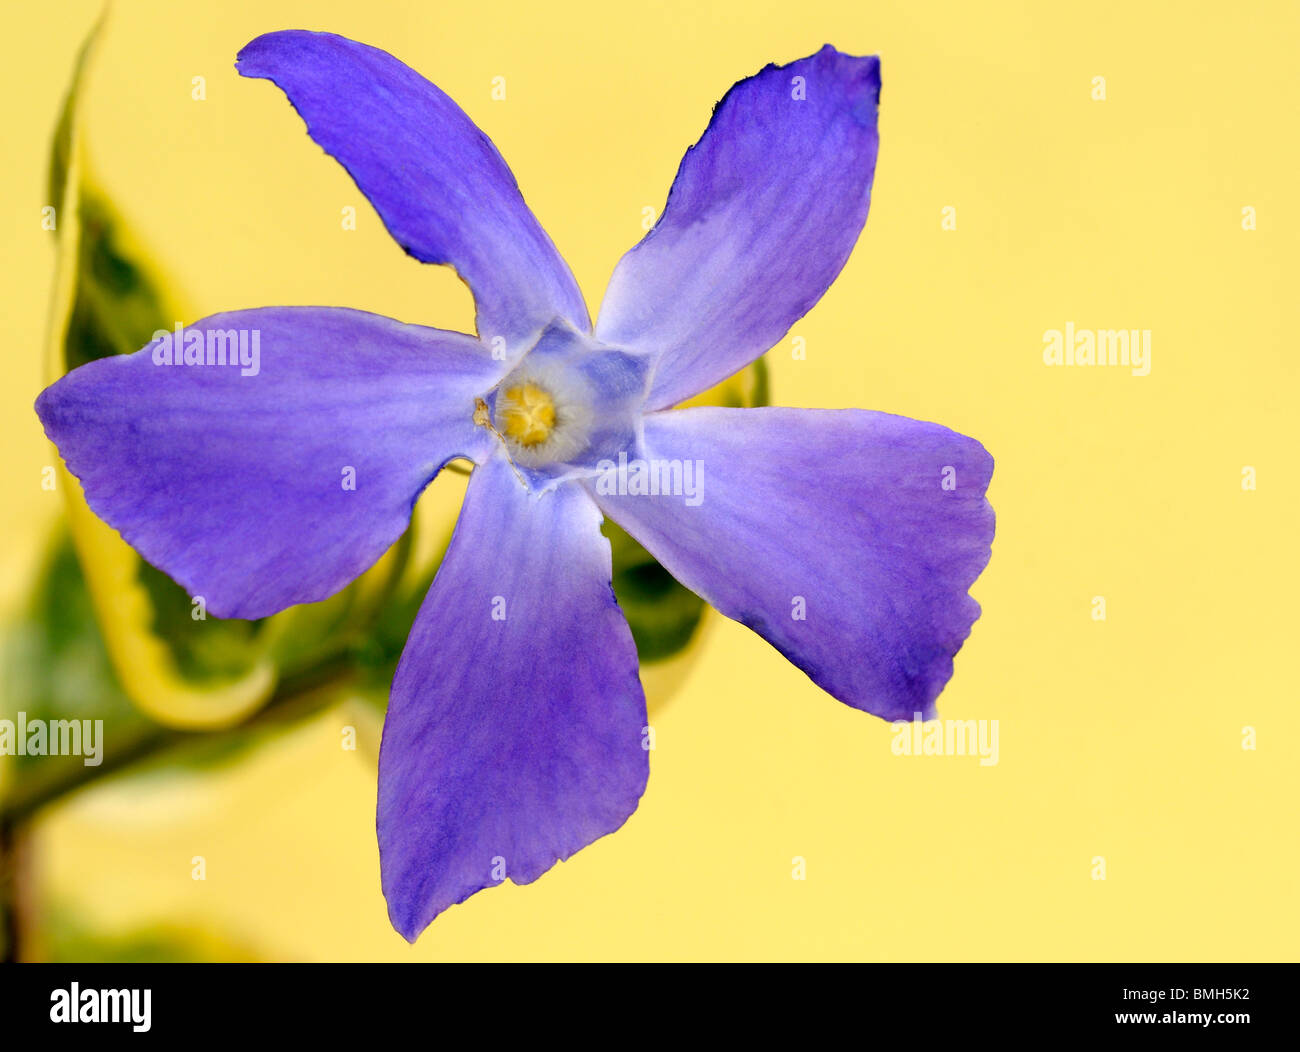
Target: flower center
(527, 414)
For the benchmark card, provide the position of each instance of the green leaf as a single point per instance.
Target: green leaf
(662, 614)
(61, 146)
(119, 302)
(56, 667)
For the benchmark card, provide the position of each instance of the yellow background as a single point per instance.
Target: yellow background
(1119, 738)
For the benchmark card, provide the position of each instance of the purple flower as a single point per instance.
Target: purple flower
(514, 736)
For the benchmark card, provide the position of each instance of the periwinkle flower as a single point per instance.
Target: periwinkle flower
(514, 736)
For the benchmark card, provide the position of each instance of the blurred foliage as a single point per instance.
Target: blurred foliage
(745, 389)
(56, 667)
(662, 614)
(65, 938)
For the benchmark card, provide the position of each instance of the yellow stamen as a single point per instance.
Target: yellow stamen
(527, 414)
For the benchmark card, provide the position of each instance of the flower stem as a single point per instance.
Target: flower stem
(15, 904)
(292, 697)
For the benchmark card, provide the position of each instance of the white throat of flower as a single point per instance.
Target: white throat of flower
(543, 414)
